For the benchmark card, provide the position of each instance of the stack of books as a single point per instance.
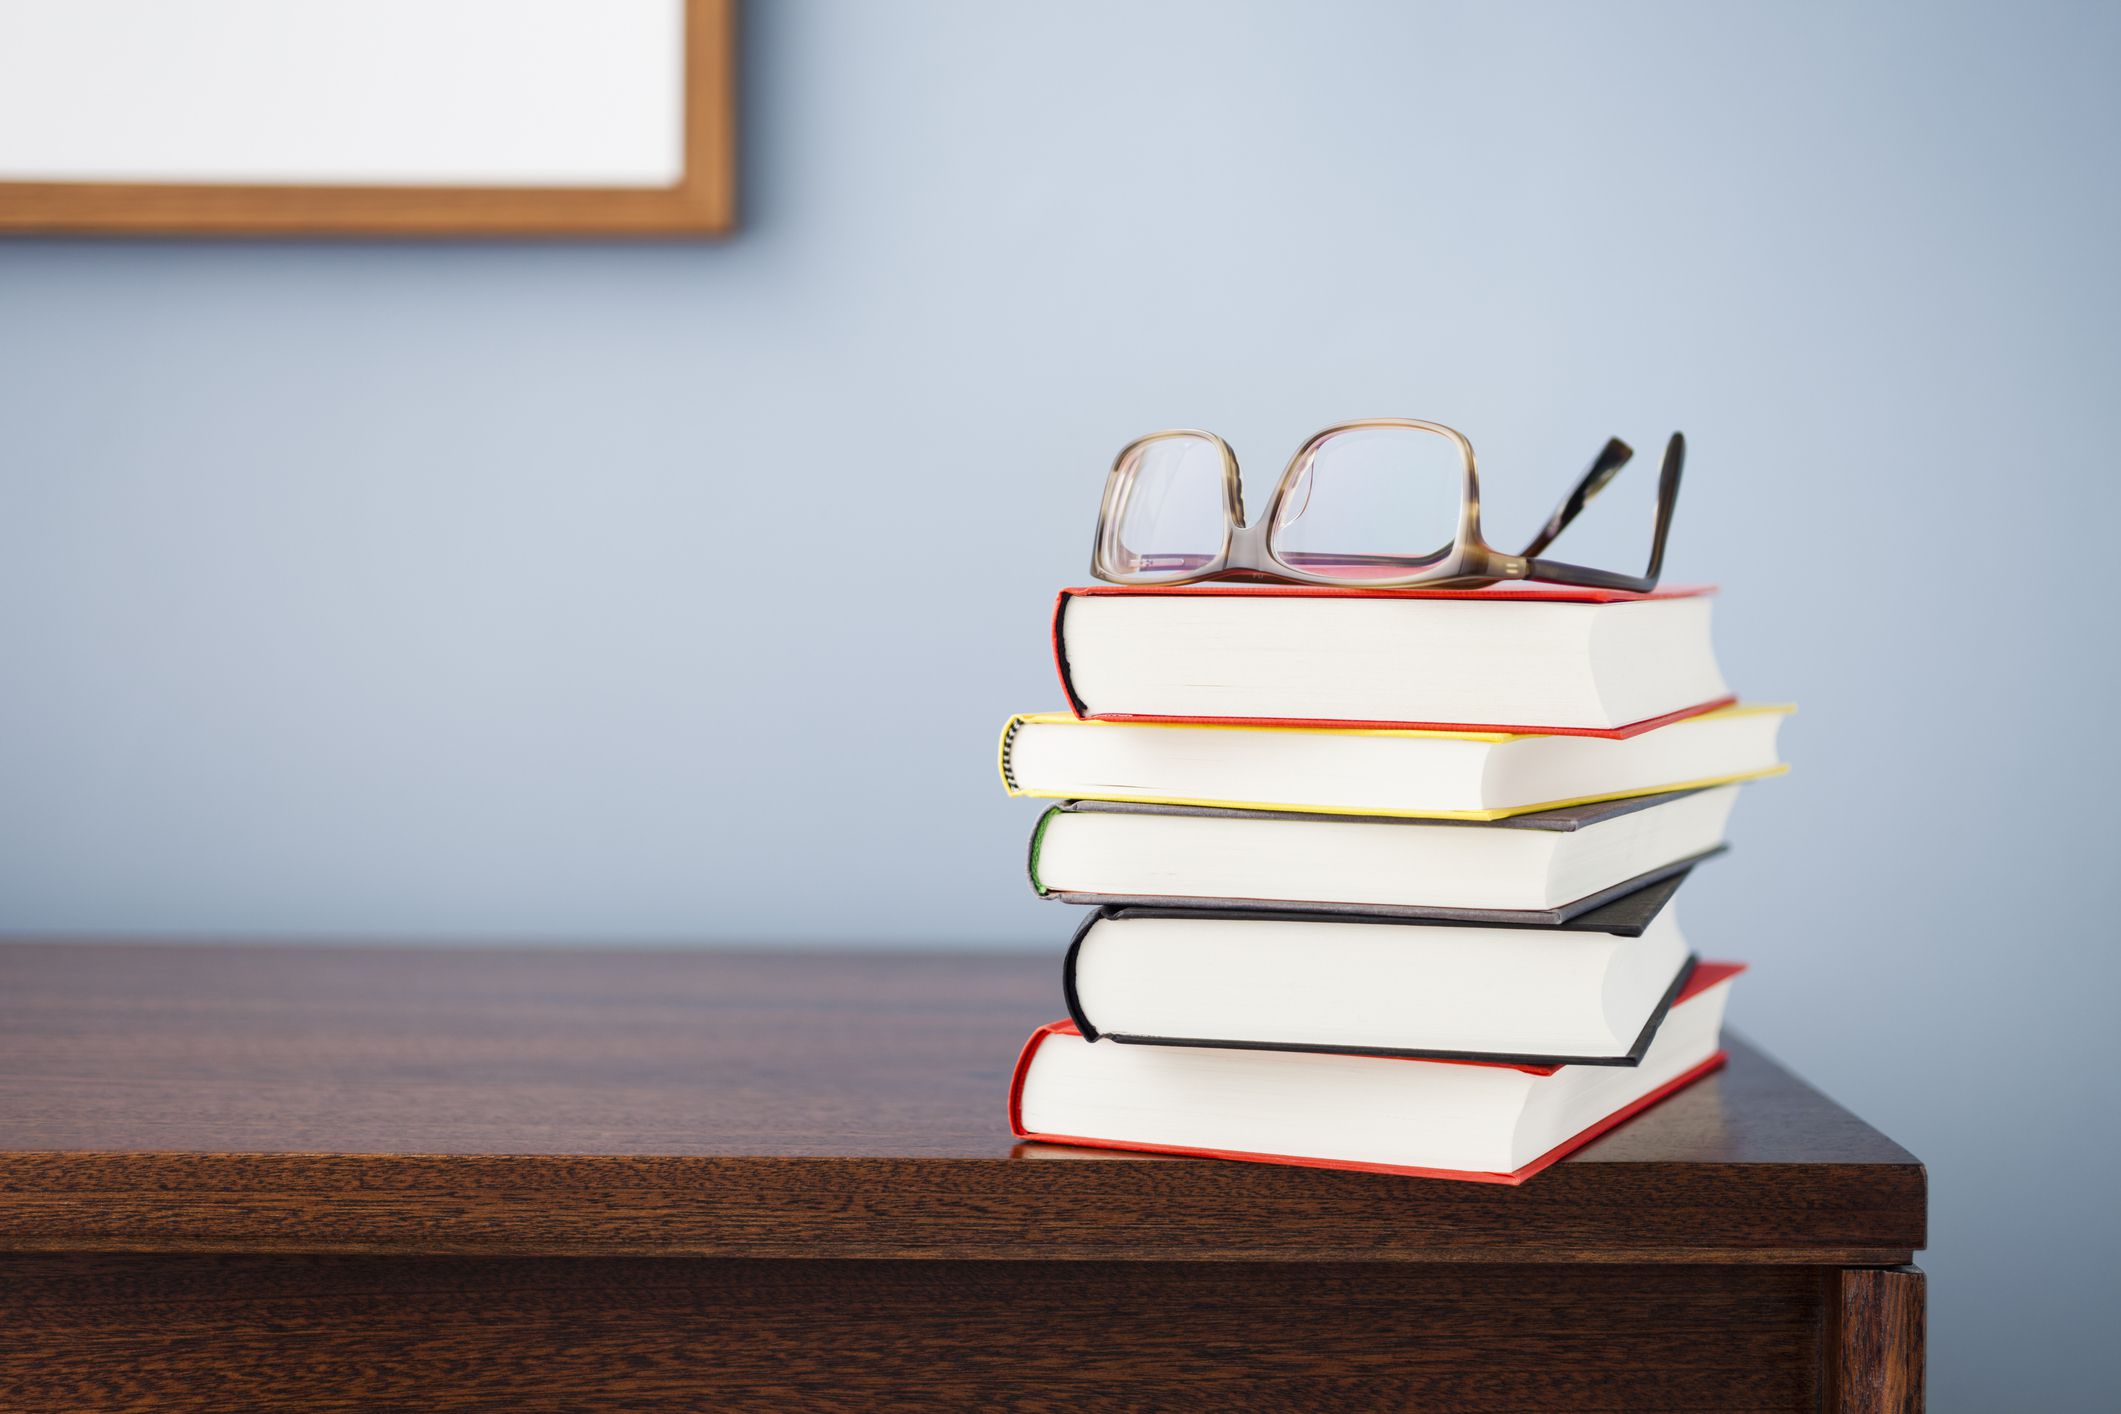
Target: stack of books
(1382, 879)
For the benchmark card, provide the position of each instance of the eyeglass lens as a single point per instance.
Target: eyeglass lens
(1172, 519)
(1371, 502)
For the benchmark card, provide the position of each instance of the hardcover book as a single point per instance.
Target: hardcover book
(1517, 657)
(1546, 867)
(1379, 771)
(1590, 992)
(1467, 1120)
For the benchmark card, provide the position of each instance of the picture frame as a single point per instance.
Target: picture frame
(701, 201)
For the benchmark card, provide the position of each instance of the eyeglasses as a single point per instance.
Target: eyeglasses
(1386, 501)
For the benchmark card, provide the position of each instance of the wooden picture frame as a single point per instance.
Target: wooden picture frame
(701, 203)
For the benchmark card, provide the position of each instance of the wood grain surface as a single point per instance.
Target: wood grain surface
(337, 1178)
(490, 1101)
(1883, 1340)
(339, 1333)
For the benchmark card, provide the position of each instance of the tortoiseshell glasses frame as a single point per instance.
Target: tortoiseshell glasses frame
(1252, 552)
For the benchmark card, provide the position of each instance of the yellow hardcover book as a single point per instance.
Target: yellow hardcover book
(1406, 772)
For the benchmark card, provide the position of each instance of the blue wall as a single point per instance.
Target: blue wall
(600, 592)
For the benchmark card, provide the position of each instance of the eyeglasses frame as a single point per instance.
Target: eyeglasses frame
(1246, 551)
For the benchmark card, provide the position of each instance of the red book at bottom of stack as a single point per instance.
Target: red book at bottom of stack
(1476, 1121)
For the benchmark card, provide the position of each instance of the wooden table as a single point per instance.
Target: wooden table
(340, 1178)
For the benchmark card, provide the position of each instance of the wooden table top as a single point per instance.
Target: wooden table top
(177, 1097)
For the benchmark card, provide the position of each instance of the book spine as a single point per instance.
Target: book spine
(1038, 838)
(1017, 1076)
(1068, 993)
(1001, 758)
(1060, 654)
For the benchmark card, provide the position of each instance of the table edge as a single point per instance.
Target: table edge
(1861, 1213)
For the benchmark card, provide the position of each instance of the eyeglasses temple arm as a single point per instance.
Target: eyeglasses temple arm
(1614, 455)
(1560, 572)
(1610, 460)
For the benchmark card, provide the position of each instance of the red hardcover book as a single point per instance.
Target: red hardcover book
(1686, 1049)
(1512, 658)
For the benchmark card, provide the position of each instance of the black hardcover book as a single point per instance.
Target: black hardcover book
(1591, 990)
